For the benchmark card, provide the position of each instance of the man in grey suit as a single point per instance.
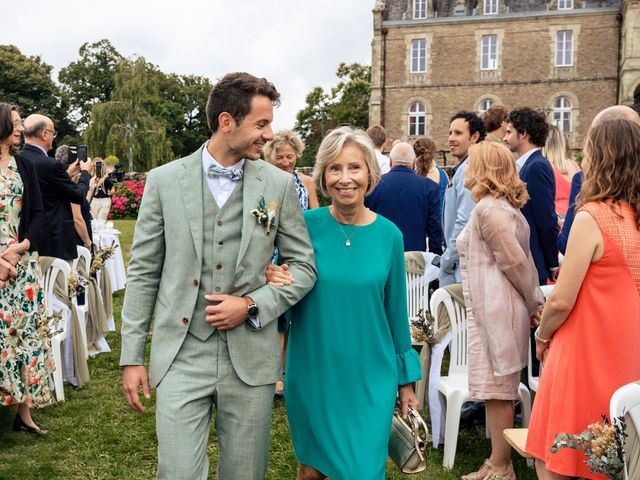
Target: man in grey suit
(206, 231)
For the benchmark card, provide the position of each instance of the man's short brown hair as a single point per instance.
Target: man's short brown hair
(233, 94)
(378, 135)
(494, 117)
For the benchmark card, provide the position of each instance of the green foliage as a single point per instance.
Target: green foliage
(346, 104)
(130, 125)
(26, 81)
(111, 160)
(90, 79)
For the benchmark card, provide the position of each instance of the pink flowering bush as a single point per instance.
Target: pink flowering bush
(125, 200)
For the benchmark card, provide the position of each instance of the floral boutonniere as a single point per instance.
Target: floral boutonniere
(265, 214)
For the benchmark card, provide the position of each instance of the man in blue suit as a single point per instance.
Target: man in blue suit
(410, 201)
(526, 133)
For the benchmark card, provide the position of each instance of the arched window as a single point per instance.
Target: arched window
(562, 114)
(485, 105)
(417, 120)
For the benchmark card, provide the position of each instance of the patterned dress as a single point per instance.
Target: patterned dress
(25, 344)
(301, 190)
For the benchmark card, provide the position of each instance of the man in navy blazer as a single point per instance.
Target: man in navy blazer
(410, 201)
(526, 133)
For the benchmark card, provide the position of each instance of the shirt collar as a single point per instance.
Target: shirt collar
(39, 148)
(207, 160)
(524, 157)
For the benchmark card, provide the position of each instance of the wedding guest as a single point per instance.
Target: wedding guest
(500, 287)
(283, 152)
(24, 341)
(589, 334)
(427, 167)
(100, 193)
(564, 168)
(350, 350)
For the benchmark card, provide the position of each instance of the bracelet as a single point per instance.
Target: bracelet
(539, 338)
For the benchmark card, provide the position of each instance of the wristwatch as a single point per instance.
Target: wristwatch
(252, 310)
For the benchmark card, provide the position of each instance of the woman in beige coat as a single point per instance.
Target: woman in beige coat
(500, 286)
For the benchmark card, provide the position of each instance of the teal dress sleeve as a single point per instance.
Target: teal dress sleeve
(395, 304)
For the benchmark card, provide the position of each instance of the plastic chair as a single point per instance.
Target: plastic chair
(84, 261)
(455, 386)
(417, 293)
(626, 402)
(58, 267)
(535, 380)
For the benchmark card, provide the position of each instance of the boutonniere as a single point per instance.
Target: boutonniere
(265, 214)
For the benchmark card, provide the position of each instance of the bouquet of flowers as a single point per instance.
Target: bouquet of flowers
(77, 284)
(602, 444)
(423, 327)
(101, 256)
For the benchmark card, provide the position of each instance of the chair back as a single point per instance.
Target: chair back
(417, 293)
(626, 402)
(58, 268)
(83, 261)
(533, 380)
(458, 363)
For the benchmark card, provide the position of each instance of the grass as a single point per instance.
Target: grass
(94, 434)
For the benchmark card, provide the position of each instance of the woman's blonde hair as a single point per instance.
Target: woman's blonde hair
(280, 139)
(555, 150)
(332, 145)
(611, 165)
(492, 171)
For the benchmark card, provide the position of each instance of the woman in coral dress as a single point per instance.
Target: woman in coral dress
(590, 330)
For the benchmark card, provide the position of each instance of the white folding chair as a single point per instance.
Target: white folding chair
(82, 308)
(58, 267)
(626, 402)
(417, 299)
(455, 386)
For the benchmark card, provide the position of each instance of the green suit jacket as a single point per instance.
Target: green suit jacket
(166, 263)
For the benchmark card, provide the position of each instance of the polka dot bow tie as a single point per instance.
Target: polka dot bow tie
(217, 171)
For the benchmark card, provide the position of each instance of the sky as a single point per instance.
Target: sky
(297, 45)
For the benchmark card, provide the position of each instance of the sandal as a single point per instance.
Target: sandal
(480, 474)
(510, 474)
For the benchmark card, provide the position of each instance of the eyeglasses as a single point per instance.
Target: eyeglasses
(52, 132)
(18, 123)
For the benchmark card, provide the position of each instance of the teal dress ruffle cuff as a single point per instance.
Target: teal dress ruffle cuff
(409, 369)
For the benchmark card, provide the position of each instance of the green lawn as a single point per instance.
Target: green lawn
(94, 435)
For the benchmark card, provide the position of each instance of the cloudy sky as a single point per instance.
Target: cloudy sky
(295, 44)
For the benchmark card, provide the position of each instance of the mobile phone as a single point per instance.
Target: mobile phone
(99, 169)
(82, 153)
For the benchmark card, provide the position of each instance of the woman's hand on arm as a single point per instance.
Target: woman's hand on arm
(278, 275)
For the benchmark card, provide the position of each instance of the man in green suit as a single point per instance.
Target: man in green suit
(206, 231)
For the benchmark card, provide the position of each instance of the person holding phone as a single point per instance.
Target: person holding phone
(57, 235)
(101, 201)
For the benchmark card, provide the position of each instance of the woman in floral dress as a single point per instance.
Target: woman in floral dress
(25, 360)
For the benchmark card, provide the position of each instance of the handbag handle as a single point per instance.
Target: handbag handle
(415, 424)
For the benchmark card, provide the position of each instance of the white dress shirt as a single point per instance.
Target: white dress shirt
(524, 157)
(383, 162)
(220, 186)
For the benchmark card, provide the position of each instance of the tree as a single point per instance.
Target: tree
(130, 125)
(347, 103)
(91, 79)
(26, 81)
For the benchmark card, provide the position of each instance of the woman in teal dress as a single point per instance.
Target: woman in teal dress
(26, 361)
(349, 352)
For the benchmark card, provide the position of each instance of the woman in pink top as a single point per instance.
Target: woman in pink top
(500, 287)
(564, 168)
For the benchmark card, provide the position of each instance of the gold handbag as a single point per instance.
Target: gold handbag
(407, 443)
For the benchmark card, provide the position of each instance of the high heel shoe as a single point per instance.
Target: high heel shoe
(20, 426)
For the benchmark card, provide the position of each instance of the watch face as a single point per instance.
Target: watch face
(253, 310)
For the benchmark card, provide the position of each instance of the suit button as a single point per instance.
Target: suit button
(218, 267)
(219, 223)
(195, 282)
(185, 321)
(217, 289)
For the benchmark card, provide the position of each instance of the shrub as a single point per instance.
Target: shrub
(125, 201)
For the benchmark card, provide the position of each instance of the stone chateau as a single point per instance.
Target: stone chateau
(569, 58)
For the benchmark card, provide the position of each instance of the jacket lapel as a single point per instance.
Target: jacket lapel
(252, 189)
(191, 189)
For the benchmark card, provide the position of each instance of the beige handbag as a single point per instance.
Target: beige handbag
(408, 442)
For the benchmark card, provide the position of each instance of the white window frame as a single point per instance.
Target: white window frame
(490, 7)
(562, 113)
(419, 9)
(564, 48)
(419, 55)
(489, 52)
(417, 121)
(484, 105)
(565, 4)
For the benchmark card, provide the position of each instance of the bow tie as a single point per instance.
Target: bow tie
(217, 171)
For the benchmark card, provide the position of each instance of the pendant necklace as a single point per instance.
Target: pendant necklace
(347, 243)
